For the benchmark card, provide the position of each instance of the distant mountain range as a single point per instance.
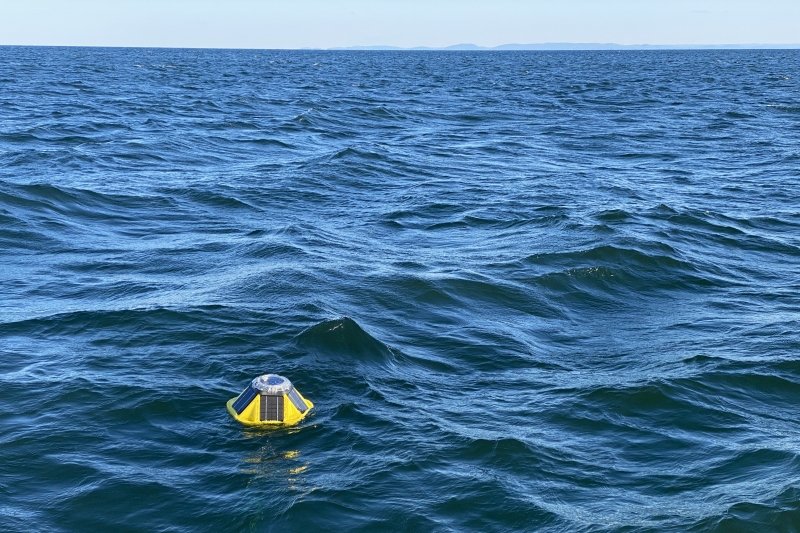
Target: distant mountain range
(578, 46)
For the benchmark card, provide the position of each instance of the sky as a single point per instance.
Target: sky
(404, 23)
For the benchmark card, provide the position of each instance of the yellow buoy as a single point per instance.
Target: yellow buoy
(269, 400)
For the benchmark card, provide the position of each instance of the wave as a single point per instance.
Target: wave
(613, 268)
(142, 324)
(344, 338)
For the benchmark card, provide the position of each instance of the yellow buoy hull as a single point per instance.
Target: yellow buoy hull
(269, 401)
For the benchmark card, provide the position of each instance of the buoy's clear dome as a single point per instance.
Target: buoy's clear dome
(271, 384)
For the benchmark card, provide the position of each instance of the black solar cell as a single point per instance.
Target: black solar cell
(297, 401)
(272, 408)
(244, 399)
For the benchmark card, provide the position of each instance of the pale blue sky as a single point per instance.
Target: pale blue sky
(323, 24)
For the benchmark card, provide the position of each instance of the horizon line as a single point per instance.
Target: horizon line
(460, 47)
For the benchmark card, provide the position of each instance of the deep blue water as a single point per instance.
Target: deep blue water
(553, 291)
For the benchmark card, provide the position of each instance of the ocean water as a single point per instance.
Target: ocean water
(527, 291)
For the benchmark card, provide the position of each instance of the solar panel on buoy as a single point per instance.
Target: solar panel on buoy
(244, 399)
(297, 401)
(271, 408)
